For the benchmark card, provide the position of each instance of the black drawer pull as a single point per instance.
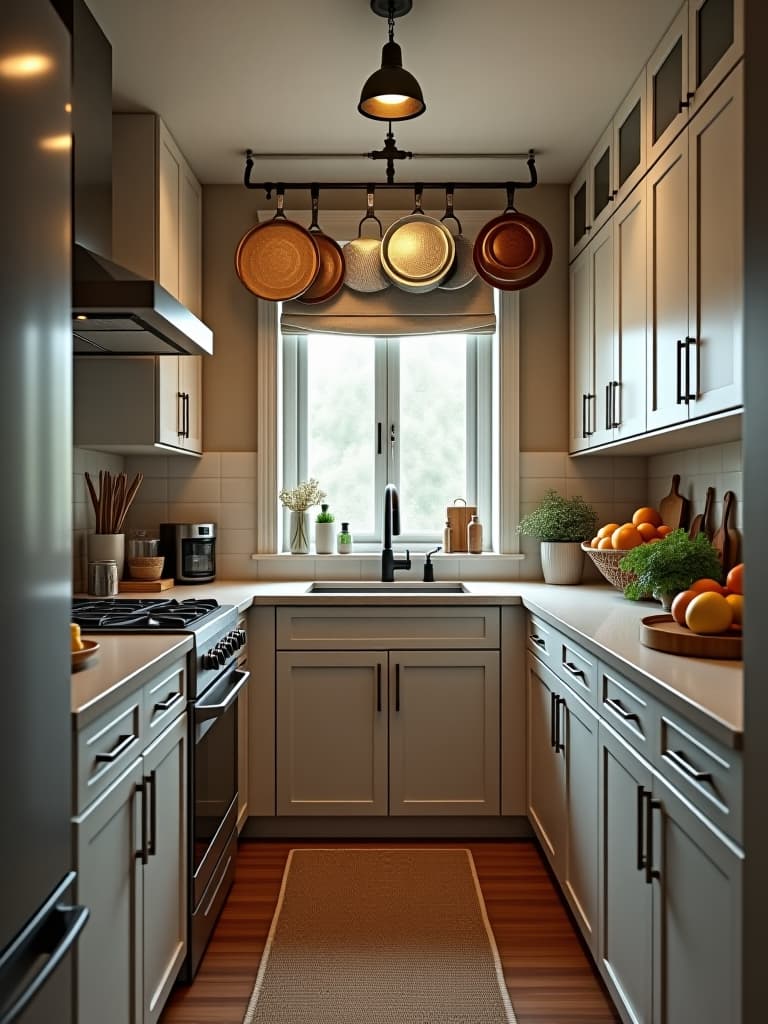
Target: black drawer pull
(123, 743)
(640, 830)
(378, 687)
(538, 641)
(574, 670)
(164, 705)
(618, 708)
(680, 761)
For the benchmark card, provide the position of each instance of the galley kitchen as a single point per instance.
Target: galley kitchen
(384, 454)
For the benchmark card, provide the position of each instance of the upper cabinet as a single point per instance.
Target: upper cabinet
(629, 140)
(157, 208)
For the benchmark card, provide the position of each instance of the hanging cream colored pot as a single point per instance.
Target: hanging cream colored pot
(417, 251)
(362, 258)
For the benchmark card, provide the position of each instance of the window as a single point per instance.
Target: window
(360, 412)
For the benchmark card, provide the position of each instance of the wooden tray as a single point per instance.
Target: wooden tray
(80, 658)
(662, 633)
(144, 586)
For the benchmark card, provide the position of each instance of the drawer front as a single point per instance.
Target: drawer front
(704, 772)
(541, 640)
(164, 699)
(106, 747)
(377, 628)
(628, 710)
(576, 667)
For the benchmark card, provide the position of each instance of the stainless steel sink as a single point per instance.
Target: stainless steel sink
(404, 587)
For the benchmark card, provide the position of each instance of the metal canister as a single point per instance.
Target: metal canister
(102, 578)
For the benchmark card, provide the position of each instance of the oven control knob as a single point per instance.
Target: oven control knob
(236, 639)
(227, 647)
(210, 660)
(221, 652)
(242, 637)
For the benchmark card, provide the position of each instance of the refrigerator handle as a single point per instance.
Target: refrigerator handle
(50, 933)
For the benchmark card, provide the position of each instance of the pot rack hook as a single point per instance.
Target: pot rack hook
(370, 213)
(449, 214)
(280, 212)
(315, 194)
(510, 187)
(418, 191)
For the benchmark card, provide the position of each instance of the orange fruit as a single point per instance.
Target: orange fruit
(680, 605)
(646, 515)
(594, 542)
(735, 579)
(706, 584)
(647, 531)
(607, 530)
(663, 530)
(604, 544)
(626, 537)
(736, 601)
(708, 613)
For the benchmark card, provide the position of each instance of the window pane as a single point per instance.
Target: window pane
(341, 425)
(433, 418)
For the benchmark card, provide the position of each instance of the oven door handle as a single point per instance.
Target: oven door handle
(204, 712)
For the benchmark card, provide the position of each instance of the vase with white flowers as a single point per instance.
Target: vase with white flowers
(299, 500)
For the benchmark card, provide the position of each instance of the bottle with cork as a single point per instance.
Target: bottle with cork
(447, 537)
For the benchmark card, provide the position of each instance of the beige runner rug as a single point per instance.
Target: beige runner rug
(380, 936)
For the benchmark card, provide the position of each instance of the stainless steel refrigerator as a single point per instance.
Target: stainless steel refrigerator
(38, 922)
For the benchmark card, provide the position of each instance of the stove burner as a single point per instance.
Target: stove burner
(140, 613)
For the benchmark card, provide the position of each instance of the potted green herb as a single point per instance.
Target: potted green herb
(325, 531)
(561, 524)
(667, 566)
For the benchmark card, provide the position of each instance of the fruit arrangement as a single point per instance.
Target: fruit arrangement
(646, 527)
(708, 608)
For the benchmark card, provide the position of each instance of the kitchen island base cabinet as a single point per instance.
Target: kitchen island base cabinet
(131, 862)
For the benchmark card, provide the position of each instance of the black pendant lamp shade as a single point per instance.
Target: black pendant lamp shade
(391, 93)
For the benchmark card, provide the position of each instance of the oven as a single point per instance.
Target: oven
(214, 684)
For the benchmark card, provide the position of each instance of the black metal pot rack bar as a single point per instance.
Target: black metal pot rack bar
(364, 186)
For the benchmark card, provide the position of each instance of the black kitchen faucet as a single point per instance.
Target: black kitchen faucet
(392, 526)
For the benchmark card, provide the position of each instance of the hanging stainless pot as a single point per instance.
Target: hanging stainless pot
(463, 271)
(512, 251)
(278, 259)
(417, 252)
(330, 276)
(362, 257)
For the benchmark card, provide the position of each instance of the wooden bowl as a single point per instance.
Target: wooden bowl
(146, 567)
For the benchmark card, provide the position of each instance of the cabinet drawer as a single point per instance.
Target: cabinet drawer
(577, 667)
(628, 709)
(105, 748)
(164, 699)
(704, 772)
(541, 640)
(374, 628)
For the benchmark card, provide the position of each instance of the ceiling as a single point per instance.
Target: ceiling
(499, 76)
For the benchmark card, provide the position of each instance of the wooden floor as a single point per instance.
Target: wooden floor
(549, 974)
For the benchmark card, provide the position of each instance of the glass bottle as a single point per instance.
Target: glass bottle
(447, 537)
(344, 540)
(475, 536)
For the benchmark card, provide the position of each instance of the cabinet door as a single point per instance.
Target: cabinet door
(625, 934)
(668, 88)
(578, 727)
(109, 883)
(546, 769)
(165, 874)
(601, 269)
(168, 211)
(582, 386)
(332, 733)
(170, 407)
(697, 917)
(444, 732)
(190, 241)
(580, 205)
(716, 34)
(716, 215)
(629, 140)
(629, 360)
(601, 180)
(667, 281)
(191, 386)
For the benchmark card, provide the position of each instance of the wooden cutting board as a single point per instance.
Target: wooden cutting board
(727, 539)
(674, 508)
(144, 586)
(458, 517)
(700, 522)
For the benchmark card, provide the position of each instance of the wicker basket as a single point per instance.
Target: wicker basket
(607, 561)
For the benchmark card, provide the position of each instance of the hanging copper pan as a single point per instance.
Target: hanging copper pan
(279, 259)
(512, 251)
(330, 276)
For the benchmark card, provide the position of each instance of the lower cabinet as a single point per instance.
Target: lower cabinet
(130, 846)
(670, 899)
(562, 788)
(388, 732)
(243, 712)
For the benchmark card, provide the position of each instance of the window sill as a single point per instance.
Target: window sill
(375, 555)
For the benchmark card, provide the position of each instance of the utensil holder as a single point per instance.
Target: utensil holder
(103, 546)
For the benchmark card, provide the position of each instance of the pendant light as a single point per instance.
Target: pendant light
(391, 93)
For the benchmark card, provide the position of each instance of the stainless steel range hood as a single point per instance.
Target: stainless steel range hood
(114, 311)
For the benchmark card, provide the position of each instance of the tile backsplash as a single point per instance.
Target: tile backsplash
(718, 466)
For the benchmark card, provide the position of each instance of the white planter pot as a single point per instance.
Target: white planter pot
(325, 538)
(562, 561)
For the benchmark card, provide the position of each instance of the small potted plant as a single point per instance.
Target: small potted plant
(325, 531)
(561, 524)
(668, 566)
(299, 499)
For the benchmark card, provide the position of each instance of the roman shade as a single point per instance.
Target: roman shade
(395, 313)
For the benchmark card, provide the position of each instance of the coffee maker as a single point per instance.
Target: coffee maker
(190, 551)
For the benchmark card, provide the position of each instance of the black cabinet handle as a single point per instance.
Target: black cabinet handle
(378, 438)
(538, 641)
(618, 708)
(640, 830)
(553, 720)
(681, 346)
(584, 416)
(559, 745)
(690, 396)
(573, 669)
(186, 404)
(608, 406)
(651, 805)
(143, 853)
(590, 432)
(165, 705)
(615, 421)
(151, 781)
(679, 760)
(378, 687)
(180, 410)
(684, 104)
(397, 687)
(123, 742)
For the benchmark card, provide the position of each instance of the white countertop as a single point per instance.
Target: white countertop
(710, 692)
